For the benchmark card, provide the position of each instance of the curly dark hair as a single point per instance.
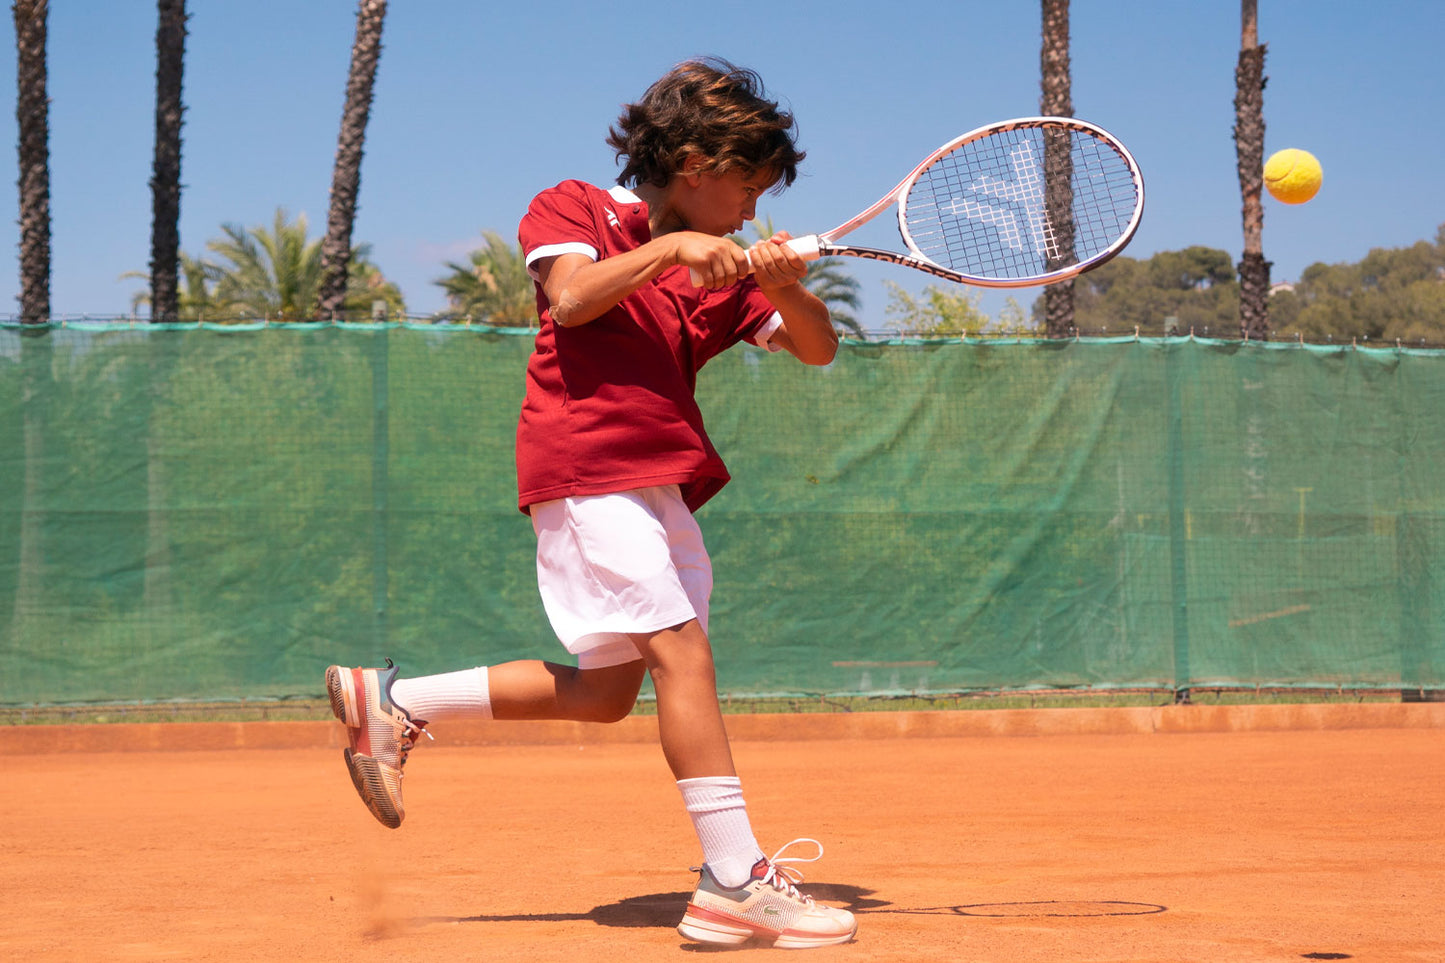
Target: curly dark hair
(711, 108)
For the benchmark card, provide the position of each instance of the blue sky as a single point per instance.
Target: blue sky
(480, 105)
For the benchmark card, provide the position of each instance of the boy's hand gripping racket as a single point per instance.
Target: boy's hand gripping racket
(1014, 204)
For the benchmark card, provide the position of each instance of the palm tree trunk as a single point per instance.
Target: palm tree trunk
(166, 171)
(1249, 149)
(32, 108)
(165, 293)
(36, 390)
(346, 177)
(1057, 101)
(32, 111)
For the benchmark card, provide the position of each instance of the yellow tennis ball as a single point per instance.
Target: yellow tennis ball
(1293, 176)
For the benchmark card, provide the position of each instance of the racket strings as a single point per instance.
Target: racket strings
(1021, 203)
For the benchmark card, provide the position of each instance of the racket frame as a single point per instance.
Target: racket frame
(826, 244)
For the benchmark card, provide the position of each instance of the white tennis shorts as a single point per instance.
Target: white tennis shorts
(611, 565)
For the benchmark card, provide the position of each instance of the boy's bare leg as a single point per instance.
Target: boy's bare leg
(689, 719)
(533, 689)
(680, 660)
(738, 886)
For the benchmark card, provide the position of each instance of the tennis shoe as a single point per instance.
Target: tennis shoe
(381, 734)
(768, 907)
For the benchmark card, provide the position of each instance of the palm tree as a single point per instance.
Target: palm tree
(831, 283)
(32, 110)
(1249, 150)
(276, 274)
(1057, 101)
(346, 177)
(32, 113)
(273, 274)
(494, 287)
(165, 298)
(166, 176)
(193, 292)
(368, 290)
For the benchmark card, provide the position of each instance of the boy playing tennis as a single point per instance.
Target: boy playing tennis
(612, 461)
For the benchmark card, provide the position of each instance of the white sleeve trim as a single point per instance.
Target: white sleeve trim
(764, 337)
(553, 250)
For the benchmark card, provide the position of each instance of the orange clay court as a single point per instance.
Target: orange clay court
(1184, 833)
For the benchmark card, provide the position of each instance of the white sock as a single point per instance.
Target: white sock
(450, 695)
(720, 819)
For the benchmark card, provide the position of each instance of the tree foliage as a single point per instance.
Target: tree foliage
(834, 286)
(493, 287)
(273, 274)
(276, 274)
(935, 312)
(1393, 294)
(1195, 289)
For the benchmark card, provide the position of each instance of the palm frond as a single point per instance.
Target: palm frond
(494, 287)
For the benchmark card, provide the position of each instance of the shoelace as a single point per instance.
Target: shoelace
(410, 727)
(781, 873)
(409, 735)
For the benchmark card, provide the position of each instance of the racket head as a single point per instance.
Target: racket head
(1018, 203)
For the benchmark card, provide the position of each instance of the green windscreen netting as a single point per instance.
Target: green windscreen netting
(205, 513)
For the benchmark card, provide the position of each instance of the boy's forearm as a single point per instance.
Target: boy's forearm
(588, 290)
(808, 323)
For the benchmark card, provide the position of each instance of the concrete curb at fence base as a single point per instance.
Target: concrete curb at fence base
(1158, 720)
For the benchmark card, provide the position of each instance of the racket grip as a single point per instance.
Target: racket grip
(806, 248)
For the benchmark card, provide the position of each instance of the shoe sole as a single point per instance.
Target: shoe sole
(341, 687)
(366, 777)
(365, 772)
(717, 931)
(801, 941)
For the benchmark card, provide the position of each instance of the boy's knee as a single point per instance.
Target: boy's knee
(615, 708)
(682, 649)
(610, 694)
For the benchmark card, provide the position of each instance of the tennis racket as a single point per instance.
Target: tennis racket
(1014, 204)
